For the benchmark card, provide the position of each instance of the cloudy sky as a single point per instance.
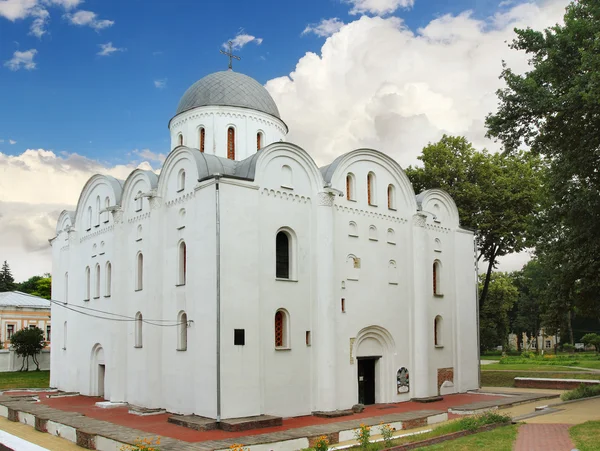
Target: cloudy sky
(89, 87)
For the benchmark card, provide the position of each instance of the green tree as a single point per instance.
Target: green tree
(554, 109)
(37, 285)
(592, 340)
(498, 195)
(494, 323)
(7, 281)
(28, 343)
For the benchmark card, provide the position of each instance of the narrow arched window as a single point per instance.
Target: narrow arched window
(437, 331)
(180, 139)
(108, 279)
(97, 211)
(391, 193)
(282, 258)
(182, 263)
(436, 278)
(87, 283)
(89, 218)
(259, 141)
(66, 298)
(231, 143)
(106, 205)
(350, 187)
(65, 335)
(182, 324)
(371, 189)
(287, 177)
(139, 282)
(202, 137)
(181, 180)
(97, 281)
(138, 201)
(281, 329)
(139, 320)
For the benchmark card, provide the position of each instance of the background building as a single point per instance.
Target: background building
(19, 311)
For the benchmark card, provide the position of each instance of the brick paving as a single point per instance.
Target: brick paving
(544, 437)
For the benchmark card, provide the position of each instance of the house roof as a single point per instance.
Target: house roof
(18, 299)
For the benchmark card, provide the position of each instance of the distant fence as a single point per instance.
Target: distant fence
(10, 361)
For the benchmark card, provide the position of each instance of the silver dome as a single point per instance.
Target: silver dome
(228, 88)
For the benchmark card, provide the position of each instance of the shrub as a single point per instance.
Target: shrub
(322, 444)
(363, 434)
(472, 423)
(583, 391)
(387, 432)
(143, 444)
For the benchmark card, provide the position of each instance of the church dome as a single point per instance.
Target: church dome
(228, 88)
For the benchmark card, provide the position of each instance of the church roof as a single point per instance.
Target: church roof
(23, 300)
(228, 88)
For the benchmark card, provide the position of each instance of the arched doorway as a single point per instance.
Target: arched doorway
(373, 350)
(97, 372)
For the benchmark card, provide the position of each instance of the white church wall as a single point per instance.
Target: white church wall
(216, 120)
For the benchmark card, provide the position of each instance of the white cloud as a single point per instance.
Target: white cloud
(378, 7)
(10, 141)
(325, 28)
(34, 188)
(16, 9)
(108, 49)
(241, 39)
(88, 19)
(67, 4)
(22, 9)
(148, 156)
(22, 60)
(38, 26)
(378, 84)
(160, 84)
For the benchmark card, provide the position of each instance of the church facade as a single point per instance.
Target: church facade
(245, 280)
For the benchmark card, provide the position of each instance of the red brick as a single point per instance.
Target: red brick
(544, 437)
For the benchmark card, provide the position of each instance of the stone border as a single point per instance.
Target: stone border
(552, 384)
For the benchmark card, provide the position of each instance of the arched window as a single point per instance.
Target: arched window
(350, 187)
(371, 189)
(259, 141)
(139, 320)
(182, 331)
(180, 139)
(391, 193)
(87, 283)
(231, 143)
(181, 180)
(139, 282)
(97, 211)
(97, 281)
(352, 229)
(65, 335)
(138, 202)
(392, 273)
(89, 218)
(437, 245)
(373, 233)
(287, 177)
(391, 236)
(437, 331)
(437, 269)
(106, 205)
(283, 257)
(282, 330)
(66, 288)
(108, 279)
(202, 137)
(182, 263)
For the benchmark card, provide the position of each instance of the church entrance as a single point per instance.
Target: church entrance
(366, 380)
(98, 372)
(101, 375)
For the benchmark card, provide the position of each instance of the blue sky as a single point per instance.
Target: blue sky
(103, 107)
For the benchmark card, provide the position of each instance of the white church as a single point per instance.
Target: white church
(244, 280)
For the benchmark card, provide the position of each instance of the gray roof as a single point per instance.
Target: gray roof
(228, 88)
(18, 299)
(209, 165)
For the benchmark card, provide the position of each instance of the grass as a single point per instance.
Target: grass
(594, 364)
(583, 391)
(31, 379)
(506, 378)
(585, 436)
(527, 367)
(500, 439)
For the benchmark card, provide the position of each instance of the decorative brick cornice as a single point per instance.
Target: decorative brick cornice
(139, 218)
(98, 232)
(285, 196)
(371, 214)
(181, 199)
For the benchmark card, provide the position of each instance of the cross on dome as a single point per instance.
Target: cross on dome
(230, 54)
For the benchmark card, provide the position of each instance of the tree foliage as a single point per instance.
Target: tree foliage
(498, 195)
(7, 281)
(37, 286)
(592, 340)
(494, 322)
(28, 343)
(554, 109)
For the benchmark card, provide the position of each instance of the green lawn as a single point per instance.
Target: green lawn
(506, 378)
(594, 364)
(529, 367)
(585, 436)
(31, 379)
(500, 439)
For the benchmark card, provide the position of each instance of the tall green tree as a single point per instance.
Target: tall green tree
(554, 109)
(498, 195)
(7, 281)
(28, 343)
(494, 321)
(37, 285)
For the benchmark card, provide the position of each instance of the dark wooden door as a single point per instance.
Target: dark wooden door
(366, 381)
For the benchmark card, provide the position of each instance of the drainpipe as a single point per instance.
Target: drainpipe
(218, 264)
(477, 310)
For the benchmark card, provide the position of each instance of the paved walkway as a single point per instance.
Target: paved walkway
(544, 437)
(42, 439)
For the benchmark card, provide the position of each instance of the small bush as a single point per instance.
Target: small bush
(363, 434)
(143, 444)
(472, 423)
(583, 391)
(322, 444)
